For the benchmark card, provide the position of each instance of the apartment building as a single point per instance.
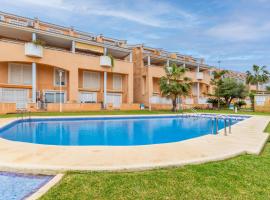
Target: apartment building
(149, 67)
(42, 64)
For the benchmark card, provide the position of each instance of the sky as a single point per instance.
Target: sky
(235, 32)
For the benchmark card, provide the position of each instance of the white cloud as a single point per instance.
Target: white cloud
(145, 12)
(240, 31)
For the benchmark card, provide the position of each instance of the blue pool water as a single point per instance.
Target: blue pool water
(15, 186)
(109, 131)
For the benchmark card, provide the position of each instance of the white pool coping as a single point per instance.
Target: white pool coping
(247, 137)
(45, 188)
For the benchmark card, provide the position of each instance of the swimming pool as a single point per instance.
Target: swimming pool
(15, 186)
(113, 131)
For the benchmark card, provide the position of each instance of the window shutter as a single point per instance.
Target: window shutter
(117, 82)
(27, 74)
(91, 80)
(15, 73)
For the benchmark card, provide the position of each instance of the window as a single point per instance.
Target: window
(91, 80)
(57, 81)
(20, 74)
(117, 82)
(54, 97)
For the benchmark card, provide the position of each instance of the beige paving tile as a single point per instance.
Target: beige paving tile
(247, 137)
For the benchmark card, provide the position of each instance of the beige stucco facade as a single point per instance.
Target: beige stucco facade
(89, 73)
(63, 52)
(150, 67)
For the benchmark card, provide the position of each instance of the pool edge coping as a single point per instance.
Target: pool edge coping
(46, 187)
(146, 166)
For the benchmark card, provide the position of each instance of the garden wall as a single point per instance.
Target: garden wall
(262, 103)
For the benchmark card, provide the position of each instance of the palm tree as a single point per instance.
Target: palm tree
(259, 75)
(174, 84)
(217, 80)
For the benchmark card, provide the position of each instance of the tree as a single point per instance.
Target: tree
(216, 81)
(230, 89)
(259, 75)
(174, 84)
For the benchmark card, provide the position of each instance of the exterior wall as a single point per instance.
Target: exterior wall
(161, 107)
(262, 103)
(45, 80)
(73, 107)
(146, 81)
(130, 106)
(100, 91)
(14, 52)
(7, 108)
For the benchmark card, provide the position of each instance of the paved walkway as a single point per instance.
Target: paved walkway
(247, 137)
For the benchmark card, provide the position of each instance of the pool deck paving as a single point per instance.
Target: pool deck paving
(247, 137)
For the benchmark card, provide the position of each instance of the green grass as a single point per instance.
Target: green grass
(135, 112)
(243, 177)
(115, 112)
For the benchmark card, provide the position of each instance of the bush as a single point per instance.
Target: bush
(214, 102)
(240, 103)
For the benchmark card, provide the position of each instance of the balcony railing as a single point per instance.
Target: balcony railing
(105, 61)
(33, 50)
(199, 76)
(160, 100)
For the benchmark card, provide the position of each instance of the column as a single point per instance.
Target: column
(149, 87)
(198, 85)
(198, 92)
(168, 63)
(34, 82)
(34, 36)
(130, 57)
(130, 87)
(148, 60)
(105, 90)
(73, 47)
(73, 85)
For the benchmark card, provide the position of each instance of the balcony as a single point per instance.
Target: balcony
(199, 76)
(105, 61)
(33, 50)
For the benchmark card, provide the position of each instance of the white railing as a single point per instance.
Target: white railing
(202, 100)
(189, 101)
(33, 50)
(160, 100)
(199, 75)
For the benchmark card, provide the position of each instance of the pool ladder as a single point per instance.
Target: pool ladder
(25, 114)
(227, 124)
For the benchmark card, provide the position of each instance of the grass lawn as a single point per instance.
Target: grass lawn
(243, 177)
(135, 112)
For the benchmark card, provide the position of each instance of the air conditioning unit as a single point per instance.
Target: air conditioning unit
(2, 18)
(30, 24)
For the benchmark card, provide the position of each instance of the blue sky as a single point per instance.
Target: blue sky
(237, 32)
